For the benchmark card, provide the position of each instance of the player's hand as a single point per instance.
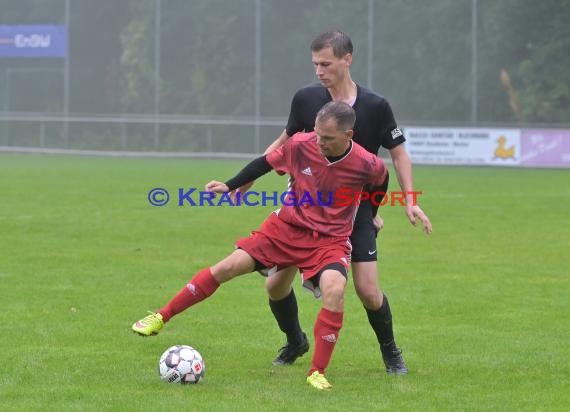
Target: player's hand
(378, 223)
(413, 212)
(216, 187)
(243, 189)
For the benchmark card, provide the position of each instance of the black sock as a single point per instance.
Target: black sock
(381, 322)
(286, 313)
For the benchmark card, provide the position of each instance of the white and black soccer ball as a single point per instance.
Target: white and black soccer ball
(181, 364)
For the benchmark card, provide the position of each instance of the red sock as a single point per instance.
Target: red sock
(327, 328)
(201, 286)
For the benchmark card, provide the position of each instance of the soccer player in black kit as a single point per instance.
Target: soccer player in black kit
(375, 126)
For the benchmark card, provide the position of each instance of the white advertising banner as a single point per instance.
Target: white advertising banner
(463, 146)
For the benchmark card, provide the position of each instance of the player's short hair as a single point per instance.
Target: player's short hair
(341, 112)
(337, 39)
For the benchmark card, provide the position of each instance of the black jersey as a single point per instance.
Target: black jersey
(375, 124)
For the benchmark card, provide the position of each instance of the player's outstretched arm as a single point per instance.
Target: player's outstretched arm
(403, 167)
(254, 169)
(216, 187)
(276, 144)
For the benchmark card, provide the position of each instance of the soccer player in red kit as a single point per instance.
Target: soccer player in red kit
(375, 127)
(311, 231)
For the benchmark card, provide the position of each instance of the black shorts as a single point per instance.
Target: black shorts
(363, 237)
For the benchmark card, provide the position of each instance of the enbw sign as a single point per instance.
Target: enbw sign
(33, 41)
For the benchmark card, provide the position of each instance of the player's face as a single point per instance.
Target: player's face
(331, 140)
(329, 69)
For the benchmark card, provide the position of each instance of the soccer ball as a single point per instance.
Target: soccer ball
(181, 364)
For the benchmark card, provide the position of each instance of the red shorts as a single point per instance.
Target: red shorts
(278, 245)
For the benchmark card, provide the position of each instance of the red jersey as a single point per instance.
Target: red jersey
(314, 201)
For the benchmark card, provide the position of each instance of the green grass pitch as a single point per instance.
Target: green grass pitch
(481, 307)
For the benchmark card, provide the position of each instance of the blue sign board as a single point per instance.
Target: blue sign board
(33, 41)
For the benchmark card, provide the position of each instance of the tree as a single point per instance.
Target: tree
(531, 42)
